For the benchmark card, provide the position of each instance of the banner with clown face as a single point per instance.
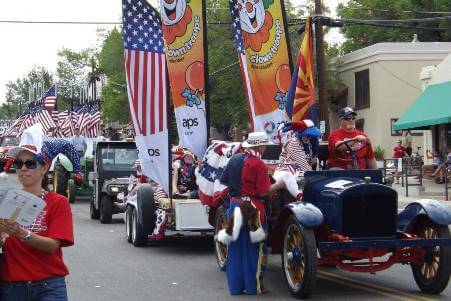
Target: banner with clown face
(183, 33)
(262, 48)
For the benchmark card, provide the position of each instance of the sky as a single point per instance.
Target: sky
(28, 45)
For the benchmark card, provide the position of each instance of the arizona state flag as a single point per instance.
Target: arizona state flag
(301, 96)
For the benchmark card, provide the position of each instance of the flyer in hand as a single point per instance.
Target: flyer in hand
(20, 206)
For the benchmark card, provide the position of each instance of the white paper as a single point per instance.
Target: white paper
(339, 184)
(20, 206)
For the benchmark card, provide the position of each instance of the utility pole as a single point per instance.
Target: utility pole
(321, 66)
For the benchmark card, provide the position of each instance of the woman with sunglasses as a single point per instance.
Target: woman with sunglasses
(33, 266)
(361, 144)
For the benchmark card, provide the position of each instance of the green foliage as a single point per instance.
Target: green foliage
(379, 153)
(17, 91)
(114, 94)
(359, 36)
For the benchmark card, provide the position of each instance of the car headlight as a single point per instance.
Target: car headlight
(300, 180)
(115, 188)
(2, 155)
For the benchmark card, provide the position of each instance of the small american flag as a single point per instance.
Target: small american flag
(236, 27)
(145, 67)
(50, 98)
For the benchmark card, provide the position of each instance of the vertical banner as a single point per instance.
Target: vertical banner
(145, 70)
(183, 28)
(263, 51)
(301, 96)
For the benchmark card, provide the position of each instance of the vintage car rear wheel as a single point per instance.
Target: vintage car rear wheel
(60, 179)
(299, 258)
(432, 276)
(106, 209)
(220, 248)
(128, 223)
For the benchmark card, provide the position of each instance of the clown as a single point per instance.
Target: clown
(293, 158)
(176, 16)
(255, 23)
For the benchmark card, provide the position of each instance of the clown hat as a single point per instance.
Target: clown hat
(303, 128)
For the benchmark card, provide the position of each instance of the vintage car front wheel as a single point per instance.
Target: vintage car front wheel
(299, 258)
(432, 275)
(220, 248)
(128, 223)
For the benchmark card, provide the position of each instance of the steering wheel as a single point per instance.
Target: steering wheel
(351, 150)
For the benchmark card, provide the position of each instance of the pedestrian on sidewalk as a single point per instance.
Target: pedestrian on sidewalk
(32, 264)
(399, 152)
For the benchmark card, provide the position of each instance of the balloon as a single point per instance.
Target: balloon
(194, 76)
(283, 78)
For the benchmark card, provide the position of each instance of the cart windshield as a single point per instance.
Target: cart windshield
(120, 159)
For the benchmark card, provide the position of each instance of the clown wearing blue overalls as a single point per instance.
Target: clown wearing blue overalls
(247, 179)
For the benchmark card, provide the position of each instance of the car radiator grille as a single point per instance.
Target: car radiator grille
(369, 214)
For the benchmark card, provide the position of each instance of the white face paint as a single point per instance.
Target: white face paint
(252, 15)
(172, 11)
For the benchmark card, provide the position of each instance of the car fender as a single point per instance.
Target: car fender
(306, 214)
(433, 209)
(132, 201)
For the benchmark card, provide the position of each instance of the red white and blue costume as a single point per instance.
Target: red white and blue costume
(246, 176)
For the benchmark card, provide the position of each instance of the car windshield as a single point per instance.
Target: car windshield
(10, 141)
(120, 159)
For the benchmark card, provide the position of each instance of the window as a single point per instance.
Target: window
(362, 89)
(360, 124)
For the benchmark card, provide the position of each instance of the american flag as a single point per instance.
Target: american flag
(50, 98)
(236, 27)
(145, 67)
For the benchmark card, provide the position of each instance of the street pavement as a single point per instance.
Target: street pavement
(104, 266)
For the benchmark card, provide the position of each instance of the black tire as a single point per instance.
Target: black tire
(71, 190)
(93, 211)
(2, 165)
(432, 276)
(106, 209)
(220, 248)
(60, 178)
(139, 237)
(128, 223)
(299, 258)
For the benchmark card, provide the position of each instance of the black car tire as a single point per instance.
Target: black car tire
(139, 236)
(106, 209)
(128, 223)
(300, 276)
(432, 276)
(71, 190)
(2, 165)
(60, 178)
(220, 248)
(93, 211)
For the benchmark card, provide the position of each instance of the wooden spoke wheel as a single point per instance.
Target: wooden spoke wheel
(299, 258)
(432, 275)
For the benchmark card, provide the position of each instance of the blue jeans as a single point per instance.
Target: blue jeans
(51, 289)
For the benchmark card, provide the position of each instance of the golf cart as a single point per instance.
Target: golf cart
(113, 165)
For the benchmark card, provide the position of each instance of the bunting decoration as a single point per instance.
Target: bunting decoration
(262, 48)
(183, 32)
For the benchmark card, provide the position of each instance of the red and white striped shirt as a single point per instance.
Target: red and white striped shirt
(293, 157)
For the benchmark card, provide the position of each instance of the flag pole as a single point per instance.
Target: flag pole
(168, 120)
(287, 35)
(206, 73)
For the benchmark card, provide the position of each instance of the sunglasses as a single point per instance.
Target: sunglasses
(29, 164)
(349, 118)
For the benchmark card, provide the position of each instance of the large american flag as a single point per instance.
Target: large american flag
(145, 67)
(236, 27)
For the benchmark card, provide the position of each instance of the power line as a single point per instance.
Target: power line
(404, 11)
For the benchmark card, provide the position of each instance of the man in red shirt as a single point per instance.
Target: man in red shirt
(339, 154)
(399, 152)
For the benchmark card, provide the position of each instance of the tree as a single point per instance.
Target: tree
(359, 36)
(17, 92)
(114, 94)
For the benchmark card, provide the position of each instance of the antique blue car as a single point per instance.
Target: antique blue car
(350, 219)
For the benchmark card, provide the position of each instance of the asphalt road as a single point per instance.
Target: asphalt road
(105, 267)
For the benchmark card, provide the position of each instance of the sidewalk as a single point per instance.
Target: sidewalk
(430, 190)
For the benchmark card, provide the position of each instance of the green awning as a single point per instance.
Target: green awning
(432, 107)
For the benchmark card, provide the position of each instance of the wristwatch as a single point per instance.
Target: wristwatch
(26, 237)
